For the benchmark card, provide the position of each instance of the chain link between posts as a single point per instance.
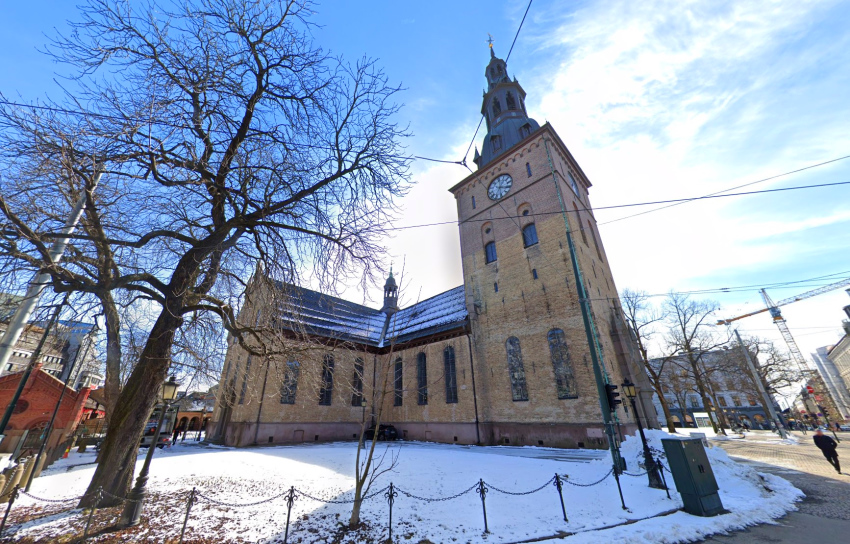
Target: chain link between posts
(438, 499)
(599, 481)
(57, 501)
(519, 493)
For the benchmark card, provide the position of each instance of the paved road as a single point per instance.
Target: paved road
(823, 516)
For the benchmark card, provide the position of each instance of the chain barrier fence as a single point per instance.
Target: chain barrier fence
(390, 493)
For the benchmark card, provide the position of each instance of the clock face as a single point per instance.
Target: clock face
(499, 187)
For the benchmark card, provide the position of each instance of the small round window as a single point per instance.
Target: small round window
(487, 230)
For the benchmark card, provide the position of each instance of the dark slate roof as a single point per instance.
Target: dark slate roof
(331, 317)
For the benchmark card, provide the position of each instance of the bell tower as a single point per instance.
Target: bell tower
(519, 215)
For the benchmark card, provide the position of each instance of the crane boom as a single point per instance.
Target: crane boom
(802, 296)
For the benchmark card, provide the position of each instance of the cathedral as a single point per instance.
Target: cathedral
(505, 358)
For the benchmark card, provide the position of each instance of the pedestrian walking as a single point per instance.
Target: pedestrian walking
(827, 445)
(174, 434)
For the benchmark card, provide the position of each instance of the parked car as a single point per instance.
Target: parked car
(385, 432)
(147, 437)
(844, 427)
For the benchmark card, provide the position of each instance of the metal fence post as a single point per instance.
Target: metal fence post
(290, 498)
(620, 489)
(188, 509)
(663, 479)
(391, 494)
(482, 490)
(91, 513)
(560, 487)
(12, 498)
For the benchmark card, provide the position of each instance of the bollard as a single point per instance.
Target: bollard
(91, 513)
(560, 488)
(290, 498)
(12, 499)
(188, 509)
(663, 479)
(391, 494)
(482, 490)
(620, 489)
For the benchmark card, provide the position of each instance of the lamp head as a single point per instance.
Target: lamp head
(629, 389)
(169, 389)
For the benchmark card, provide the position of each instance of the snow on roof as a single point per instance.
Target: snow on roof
(333, 317)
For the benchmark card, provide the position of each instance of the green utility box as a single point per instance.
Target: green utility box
(693, 475)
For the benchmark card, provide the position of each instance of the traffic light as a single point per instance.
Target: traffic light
(824, 411)
(611, 393)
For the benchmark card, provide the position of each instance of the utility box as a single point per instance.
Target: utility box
(693, 475)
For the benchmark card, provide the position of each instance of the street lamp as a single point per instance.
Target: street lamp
(651, 467)
(135, 500)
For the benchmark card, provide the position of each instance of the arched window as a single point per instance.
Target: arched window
(580, 227)
(326, 388)
(421, 379)
(398, 397)
(516, 370)
(496, 107)
(490, 252)
(564, 378)
(290, 383)
(573, 184)
(528, 169)
(529, 235)
(450, 372)
(245, 381)
(510, 101)
(595, 243)
(357, 394)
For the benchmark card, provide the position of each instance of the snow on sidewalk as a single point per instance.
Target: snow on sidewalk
(424, 470)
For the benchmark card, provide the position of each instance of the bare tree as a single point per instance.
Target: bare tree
(644, 319)
(234, 139)
(691, 335)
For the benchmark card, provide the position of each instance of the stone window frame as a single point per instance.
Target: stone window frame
(357, 382)
(516, 370)
(398, 382)
(326, 387)
(450, 372)
(422, 378)
(559, 351)
(289, 387)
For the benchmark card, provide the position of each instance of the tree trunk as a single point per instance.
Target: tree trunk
(112, 382)
(702, 392)
(671, 425)
(114, 472)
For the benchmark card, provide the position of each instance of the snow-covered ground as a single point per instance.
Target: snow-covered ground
(427, 470)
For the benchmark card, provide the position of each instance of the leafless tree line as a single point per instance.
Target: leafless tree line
(685, 354)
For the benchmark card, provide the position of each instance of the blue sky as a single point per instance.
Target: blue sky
(655, 99)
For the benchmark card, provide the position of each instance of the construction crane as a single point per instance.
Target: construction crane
(776, 314)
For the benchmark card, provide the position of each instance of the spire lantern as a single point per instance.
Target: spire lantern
(390, 295)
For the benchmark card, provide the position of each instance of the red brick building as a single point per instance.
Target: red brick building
(34, 409)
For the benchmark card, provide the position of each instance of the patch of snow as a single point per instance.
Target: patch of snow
(428, 470)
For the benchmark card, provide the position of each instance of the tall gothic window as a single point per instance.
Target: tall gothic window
(357, 395)
(595, 243)
(290, 383)
(451, 374)
(565, 380)
(399, 389)
(516, 371)
(490, 252)
(580, 227)
(326, 388)
(529, 235)
(497, 107)
(245, 381)
(421, 379)
(510, 100)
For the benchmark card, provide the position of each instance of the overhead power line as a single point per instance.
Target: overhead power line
(629, 205)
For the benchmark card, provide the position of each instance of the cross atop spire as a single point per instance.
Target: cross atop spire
(490, 44)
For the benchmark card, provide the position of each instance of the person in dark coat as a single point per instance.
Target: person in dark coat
(827, 445)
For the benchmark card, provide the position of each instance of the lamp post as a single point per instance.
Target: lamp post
(651, 466)
(133, 508)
